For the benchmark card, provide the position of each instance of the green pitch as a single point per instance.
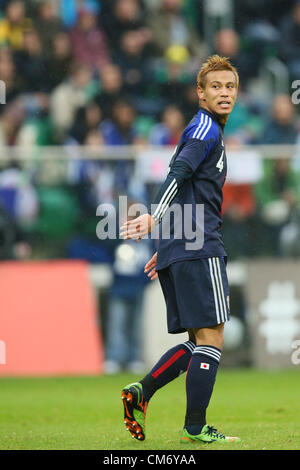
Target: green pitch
(260, 407)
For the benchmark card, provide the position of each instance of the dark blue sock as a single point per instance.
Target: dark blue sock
(200, 382)
(170, 365)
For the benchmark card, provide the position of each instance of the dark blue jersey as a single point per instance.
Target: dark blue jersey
(189, 207)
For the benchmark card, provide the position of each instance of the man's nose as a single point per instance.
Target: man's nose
(224, 92)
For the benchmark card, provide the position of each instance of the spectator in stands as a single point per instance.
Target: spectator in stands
(17, 194)
(247, 12)
(10, 123)
(47, 24)
(13, 25)
(276, 193)
(111, 88)
(67, 97)
(18, 211)
(124, 325)
(31, 64)
(124, 343)
(60, 59)
(89, 43)
(121, 17)
(13, 83)
(173, 74)
(289, 46)
(169, 28)
(14, 245)
(88, 118)
(36, 128)
(169, 130)
(257, 23)
(119, 130)
(281, 128)
(133, 63)
(227, 43)
(278, 196)
(93, 137)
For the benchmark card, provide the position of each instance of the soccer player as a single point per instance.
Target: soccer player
(193, 281)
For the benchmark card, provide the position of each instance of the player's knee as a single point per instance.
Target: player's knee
(213, 336)
(216, 341)
(220, 341)
(218, 336)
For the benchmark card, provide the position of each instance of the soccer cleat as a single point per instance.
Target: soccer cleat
(135, 407)
(208, 434)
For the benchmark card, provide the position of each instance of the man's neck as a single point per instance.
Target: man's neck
(222, 119)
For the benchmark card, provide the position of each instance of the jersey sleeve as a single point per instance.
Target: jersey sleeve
(200, 139)
(178, 173)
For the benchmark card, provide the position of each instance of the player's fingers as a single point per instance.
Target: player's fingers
(136, 227)
(130, 232)
(149, 265)
(125, 226)
(155, 276)
(152, 273)
(147, 269)
(127, 222)
(124, 234)
(130, 224)
(136, 237)
(136, 233)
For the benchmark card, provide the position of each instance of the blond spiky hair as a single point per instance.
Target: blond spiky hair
(212, 64)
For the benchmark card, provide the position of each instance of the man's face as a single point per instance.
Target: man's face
(220, 92)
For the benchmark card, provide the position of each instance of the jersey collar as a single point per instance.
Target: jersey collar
(212, 115)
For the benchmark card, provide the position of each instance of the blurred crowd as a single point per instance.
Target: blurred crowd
(122, 72)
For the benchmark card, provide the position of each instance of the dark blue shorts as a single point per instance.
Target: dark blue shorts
(196, 293)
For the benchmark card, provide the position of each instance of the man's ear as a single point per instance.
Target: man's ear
(200, 93)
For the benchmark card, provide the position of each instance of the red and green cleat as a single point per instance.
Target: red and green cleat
(135, 407)
(208, 434)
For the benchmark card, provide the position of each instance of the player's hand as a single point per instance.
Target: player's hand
(150, 268)
(137, 228)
